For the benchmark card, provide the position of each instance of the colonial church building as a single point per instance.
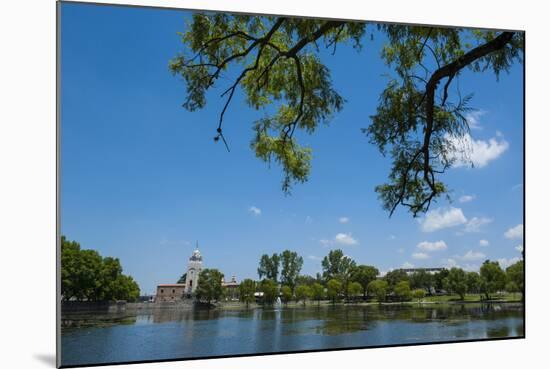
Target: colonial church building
(177, 291)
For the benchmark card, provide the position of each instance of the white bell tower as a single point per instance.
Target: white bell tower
(194, 268)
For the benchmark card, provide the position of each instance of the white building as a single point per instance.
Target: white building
(194, 268)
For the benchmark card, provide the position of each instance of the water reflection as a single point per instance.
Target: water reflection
(172, 333)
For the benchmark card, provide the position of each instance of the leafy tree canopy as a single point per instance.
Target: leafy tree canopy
(209, 287)
(291, 264)
(269, 267)
(279, 67)
(86, 275)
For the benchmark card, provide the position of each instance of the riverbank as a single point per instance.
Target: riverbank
(122, 307)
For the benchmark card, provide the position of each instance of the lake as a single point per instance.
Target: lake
(170, 333)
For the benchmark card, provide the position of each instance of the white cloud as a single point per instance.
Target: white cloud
(254, 210)
(441, 218)
(466, 198)
(401, 250)
(343, 220)
(514, 232)
(477, 153)
(407, 265)
(505, 263)
(519, 248)
(341, 238)
(483, 243)
(473, 255)
(392, 237)
(475, 223)
(420, 256)
(345, 239)
(449, 263)
(314, 258)
(432, 246)
(473, 119)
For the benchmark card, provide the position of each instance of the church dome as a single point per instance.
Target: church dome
(196, 256)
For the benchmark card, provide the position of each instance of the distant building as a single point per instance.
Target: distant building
(170, 292)
(194, 268)
(410, 271)
(232, 287)
(177, 291)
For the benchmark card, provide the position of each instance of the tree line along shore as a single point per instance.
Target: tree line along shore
(87, 276)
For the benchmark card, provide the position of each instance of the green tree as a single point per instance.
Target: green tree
(438, 279)
(277, 63)
(354, 289)
(402, 290)
(364, 274)
(511, 287)
(302, 293)
(85, 275)
(395, 276)
(269, 267)
(247, 288)
(269, 289)
(334, 287)
(515, 274)
(492, 276)
(422, 280)
(378, 288)
(419, 294)
(286, 294)
(317, 292)
(291, 265)
(306, 279)
(336, 265)
(457, 282)
(182, 279)
(473, 281)
(209, 287)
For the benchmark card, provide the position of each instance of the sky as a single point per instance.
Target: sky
(143, 180)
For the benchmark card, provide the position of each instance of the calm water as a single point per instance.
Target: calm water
(169, 333)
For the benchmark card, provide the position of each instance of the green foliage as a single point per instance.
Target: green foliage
(277, 63)
(269, 267)
(334, 287)
(511, 287)
(473, 281)
(269, 289)
(291, 265)
(85, 275)
(354, 289)
(457, 282)
(182, 279)
(419, 294)
(247, 288)
(395, 276)
(422, 280)
(493, 277)
(337, 266)
(438, 279)
(364, 274)
(515, 274)
(286, 294)
(302, 293)
(378, 288)
(306, 279)
(402, 290)
(209, 287)
(317, 292)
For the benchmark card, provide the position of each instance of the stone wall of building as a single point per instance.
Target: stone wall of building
(170, 292)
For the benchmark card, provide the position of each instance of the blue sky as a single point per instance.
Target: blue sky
(142, 179)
